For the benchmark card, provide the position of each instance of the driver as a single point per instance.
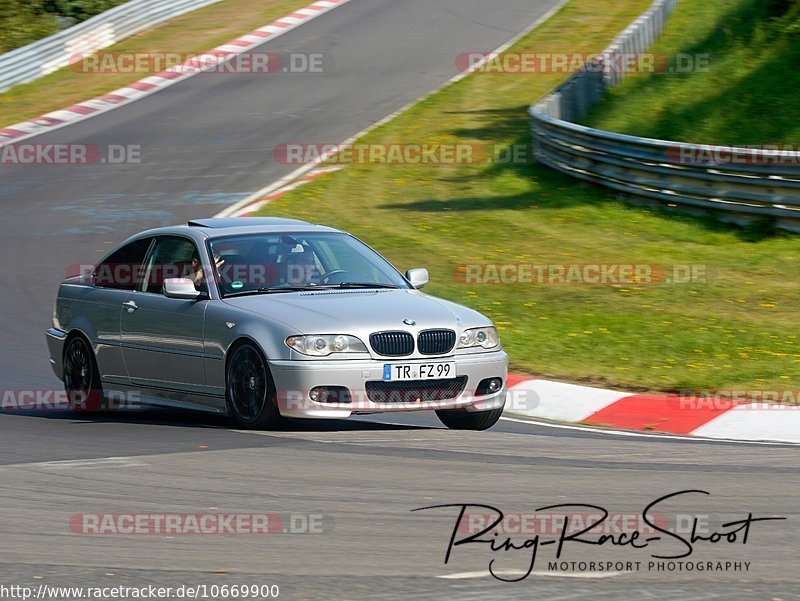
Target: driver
(301, 269)
(197, 274)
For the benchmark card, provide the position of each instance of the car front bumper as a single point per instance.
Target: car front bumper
(294, 379)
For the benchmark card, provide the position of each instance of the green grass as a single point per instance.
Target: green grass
(194, 32)
(737, 329)
(748, 94)
(24, 22)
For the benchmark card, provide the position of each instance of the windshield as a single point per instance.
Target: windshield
(260, 263)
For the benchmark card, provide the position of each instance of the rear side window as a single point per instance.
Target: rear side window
(124, 268)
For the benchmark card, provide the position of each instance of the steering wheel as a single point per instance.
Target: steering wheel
(327, 275)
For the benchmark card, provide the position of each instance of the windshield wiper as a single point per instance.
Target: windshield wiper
(272, 289)
(363, 285)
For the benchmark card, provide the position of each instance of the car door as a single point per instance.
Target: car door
(162, 338)
(113, 279)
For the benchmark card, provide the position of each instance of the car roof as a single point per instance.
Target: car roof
(224, 226)
(226, 222)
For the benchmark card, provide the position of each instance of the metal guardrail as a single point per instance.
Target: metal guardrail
(739, 184)
(44, 56)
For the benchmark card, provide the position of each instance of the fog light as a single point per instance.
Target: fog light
(489, 386)
(330, 394)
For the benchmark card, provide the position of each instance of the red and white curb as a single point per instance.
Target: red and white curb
(250, 209)
(149, 85)
(698, 416)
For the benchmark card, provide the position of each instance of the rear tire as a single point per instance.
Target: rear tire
(81, 377)
(461, 419)
(249, 390)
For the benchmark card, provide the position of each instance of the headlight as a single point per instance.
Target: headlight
(483, 337)
(322, 345)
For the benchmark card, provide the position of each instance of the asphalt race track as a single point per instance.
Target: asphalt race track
(206, 143)
(363, 478)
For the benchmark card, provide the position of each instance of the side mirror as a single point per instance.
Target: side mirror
(180, 288)
(418, 277)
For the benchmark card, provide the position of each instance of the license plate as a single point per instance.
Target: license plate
(396, 372)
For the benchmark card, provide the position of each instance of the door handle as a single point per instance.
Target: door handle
(130, 306)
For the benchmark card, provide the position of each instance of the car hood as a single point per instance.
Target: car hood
(349, 311)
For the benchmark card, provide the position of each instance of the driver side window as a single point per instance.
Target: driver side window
(173, 257)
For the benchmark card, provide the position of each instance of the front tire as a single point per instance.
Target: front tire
(461, 419)
(249, 390)
(81, 376)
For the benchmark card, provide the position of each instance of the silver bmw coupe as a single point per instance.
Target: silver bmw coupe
(265, 319)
